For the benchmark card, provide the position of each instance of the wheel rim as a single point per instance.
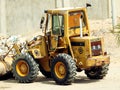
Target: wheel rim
(22, 68)
(60, 70)
(93, 72)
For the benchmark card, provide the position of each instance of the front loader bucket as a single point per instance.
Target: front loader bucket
(5, 67)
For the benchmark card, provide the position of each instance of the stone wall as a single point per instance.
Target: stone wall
(98, 10)
(0, 17)
(23, 16)
(117, 7)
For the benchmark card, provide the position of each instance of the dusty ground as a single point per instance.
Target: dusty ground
(110, 82)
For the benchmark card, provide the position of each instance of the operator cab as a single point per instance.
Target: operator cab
(67, 21)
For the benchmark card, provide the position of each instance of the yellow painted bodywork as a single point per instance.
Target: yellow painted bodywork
(83, 53)
(41, 48)
(85, 59)
(38, 48)
(97, 61)
(48, 46)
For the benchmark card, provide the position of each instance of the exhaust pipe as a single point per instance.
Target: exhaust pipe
(81, 29)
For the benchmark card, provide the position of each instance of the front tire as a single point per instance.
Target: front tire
(25, 69)
(63, 69)
(97, 72)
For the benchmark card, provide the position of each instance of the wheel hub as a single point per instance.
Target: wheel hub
(60, 70)
(22, 68)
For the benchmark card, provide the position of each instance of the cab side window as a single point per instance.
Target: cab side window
(57, 24)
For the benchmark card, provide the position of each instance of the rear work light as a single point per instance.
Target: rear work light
(96, 48)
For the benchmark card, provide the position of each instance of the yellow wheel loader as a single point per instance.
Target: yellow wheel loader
(65, 48)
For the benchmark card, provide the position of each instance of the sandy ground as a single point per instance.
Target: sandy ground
(110, 82)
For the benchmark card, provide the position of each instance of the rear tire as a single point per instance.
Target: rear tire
(25, 69)
(63, 69)
(97, 72)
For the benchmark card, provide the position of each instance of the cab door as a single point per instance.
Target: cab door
(57, 30)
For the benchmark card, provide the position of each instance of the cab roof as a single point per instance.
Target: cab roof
(63, 10)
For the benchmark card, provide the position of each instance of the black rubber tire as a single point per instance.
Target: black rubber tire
(97, 72)
(70, 69)
(33, 68)
(45, 73)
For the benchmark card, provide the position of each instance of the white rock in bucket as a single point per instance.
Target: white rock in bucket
(2, 52)
(12, 39)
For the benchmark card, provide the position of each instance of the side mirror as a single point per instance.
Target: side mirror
(41, 22)
(88, 5)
